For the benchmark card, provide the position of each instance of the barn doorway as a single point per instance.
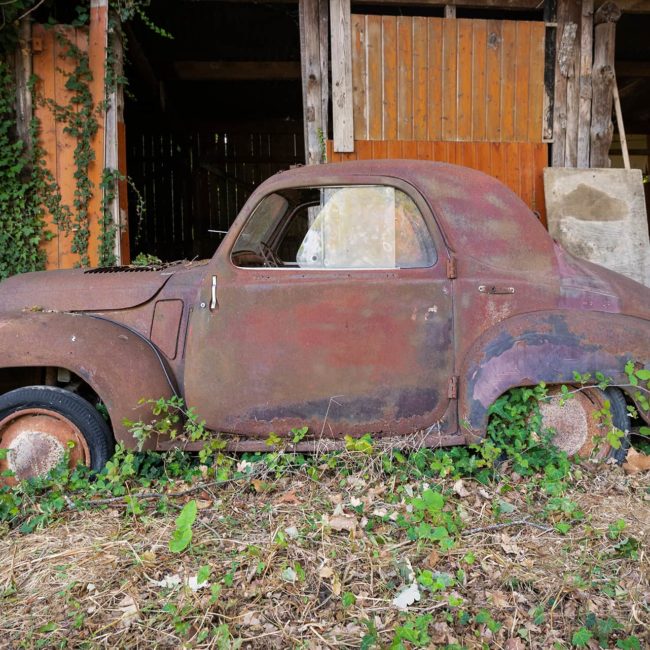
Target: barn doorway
(210, 114)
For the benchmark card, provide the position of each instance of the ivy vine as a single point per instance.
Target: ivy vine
(108, 227)
(80, 122)
(28, 189)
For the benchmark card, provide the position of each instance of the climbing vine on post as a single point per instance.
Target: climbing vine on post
(80, 122)
(21, 217)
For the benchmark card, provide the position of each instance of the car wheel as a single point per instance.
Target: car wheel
(578, 429)
(38, 424)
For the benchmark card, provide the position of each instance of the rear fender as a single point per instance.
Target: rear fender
(547, 347)
(118, 364)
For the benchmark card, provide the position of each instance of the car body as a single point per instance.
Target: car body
(309, 314)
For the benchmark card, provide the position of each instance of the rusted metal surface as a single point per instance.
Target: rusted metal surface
(119, 365)
(36, 440)
(577, 429)
(343, 352)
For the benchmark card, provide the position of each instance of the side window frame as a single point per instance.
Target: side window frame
(431, 223)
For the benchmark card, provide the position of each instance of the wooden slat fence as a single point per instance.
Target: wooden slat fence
(198, 180)
(447, 79)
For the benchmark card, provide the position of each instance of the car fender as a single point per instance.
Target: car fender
(119, 364)
(548, 347)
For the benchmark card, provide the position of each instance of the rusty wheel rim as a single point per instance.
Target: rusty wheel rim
(577, 430)
(36, 440)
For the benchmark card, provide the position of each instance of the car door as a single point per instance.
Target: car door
(330, 309)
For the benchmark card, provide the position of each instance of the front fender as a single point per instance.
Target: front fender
(546, 346)
(118, 364)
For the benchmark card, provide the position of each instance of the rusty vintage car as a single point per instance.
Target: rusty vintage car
(399, 298)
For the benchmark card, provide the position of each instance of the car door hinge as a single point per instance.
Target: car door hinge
(452, 268)
(452, 392)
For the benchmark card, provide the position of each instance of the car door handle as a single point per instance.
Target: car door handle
(491, 289)
(213, 293)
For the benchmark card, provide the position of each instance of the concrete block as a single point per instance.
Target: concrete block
(600, 215)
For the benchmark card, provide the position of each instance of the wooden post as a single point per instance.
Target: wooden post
(550, 21)
(621, 128)
(584, 114)
(450, 11)
(565, 124)
(23, 61)
(342, 105)
(313, 31)
(602, 128)
(114, 158)
(324, 46)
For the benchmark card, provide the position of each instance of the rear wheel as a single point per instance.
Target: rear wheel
(578, 428)
(38, 424)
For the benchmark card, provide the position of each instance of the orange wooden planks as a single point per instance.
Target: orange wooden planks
(508, 79)
(375, 90)
(389, 49)
(493, 80)
(449, 78)
(464, 80)
(522, 74)
(519, 165)
(536, 83)
(404, 77)
(479, 87)
(435, 78)
(44, 68)
(420, 78)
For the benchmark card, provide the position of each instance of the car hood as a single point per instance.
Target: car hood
(82, 290)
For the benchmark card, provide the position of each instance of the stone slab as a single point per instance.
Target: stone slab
(600, 215)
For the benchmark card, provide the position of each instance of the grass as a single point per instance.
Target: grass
(313, 554)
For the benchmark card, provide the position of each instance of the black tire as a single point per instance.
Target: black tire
(77, 410)
(620, 419)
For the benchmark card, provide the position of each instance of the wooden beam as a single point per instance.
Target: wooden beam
(568, 16)
(573, 88)
(97, 45)
(314, 73)
(342, 104)
(550, 20)
(603, 77)
(234, 70)
(114, 158)
(584, 107)
(324, 47)
(627, 6)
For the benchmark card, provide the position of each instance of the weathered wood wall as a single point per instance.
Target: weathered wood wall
(520, 165)
(417, 78)
(469, 92)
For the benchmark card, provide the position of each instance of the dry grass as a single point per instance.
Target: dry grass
(91, 580)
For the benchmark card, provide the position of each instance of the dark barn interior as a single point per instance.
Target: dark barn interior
(210, 113)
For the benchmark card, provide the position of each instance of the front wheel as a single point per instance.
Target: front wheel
(38, 424)
(578, 427)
